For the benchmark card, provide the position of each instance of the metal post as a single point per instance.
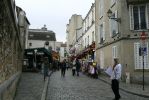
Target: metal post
(143, 70)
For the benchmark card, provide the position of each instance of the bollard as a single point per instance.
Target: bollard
(127, 77)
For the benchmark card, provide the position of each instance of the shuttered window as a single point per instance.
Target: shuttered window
(139, 17)
(138, 60)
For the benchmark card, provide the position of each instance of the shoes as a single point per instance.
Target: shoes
(117, 98)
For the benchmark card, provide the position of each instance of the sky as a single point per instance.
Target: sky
(55, 14)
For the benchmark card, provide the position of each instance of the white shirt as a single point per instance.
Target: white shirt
(116, 73)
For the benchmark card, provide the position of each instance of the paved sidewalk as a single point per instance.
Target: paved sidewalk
(31, 86)
(135, 89)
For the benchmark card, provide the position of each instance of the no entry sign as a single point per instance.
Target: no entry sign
(143, 36)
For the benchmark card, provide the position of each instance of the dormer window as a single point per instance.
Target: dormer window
(47, 36)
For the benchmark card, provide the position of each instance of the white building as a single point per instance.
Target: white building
(38, 37)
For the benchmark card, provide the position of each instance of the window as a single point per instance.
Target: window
(102, 32)
(30, 44)
(138, 60)
(93, 37)
(114, 52)
(92, 16)
(85, 42)
(88, 40)
(87, 22)
(101, 59)
(101, 8)
(113, 25)
(139, 17)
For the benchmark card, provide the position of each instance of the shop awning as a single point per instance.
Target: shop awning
(45, 51)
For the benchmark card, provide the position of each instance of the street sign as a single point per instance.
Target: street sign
(142, 51)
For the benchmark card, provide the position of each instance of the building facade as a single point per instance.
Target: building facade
(75, 23)
(11, 48)
(119, 25)
(88, 35)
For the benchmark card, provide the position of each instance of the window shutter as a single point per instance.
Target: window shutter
(131, 17)
(102, 59)
(146, 62)
(114, 52)
(110, 27)
(103, 30)
(139, 59)
(136, 55)
(99, 34)
(116, 23)
(147, 15)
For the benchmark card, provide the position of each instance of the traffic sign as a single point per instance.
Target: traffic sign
(143, 36)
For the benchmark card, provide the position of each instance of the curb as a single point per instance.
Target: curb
(141, 95)
(44, 93)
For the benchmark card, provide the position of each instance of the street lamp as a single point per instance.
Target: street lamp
(35, 58)
(110, 13)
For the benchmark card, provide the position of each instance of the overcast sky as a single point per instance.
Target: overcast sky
(54, 13)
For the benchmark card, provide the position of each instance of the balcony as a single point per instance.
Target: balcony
(136, 1)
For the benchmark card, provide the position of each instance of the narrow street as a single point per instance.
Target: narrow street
(82, 88)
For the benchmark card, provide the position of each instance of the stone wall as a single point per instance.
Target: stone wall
(10, 50)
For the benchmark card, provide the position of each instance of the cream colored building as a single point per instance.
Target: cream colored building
(88, 36)
(118, 36)
(75, 23)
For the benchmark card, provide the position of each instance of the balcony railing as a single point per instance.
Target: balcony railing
(136, 1)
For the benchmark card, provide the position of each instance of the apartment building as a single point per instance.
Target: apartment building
(88, 35)
(119, 25)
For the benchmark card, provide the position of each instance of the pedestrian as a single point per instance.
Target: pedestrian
(45, 66)
(63, 68)
(78, 66)
(74, 67)
(95, 75)
(116, 75)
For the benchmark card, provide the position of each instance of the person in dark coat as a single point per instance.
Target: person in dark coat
(45, 65)
(78, 66)
(63, 68)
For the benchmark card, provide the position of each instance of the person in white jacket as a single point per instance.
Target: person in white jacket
(116, 75)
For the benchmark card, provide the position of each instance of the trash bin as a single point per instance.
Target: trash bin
(127, 77)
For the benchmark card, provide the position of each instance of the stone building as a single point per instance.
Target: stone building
(11, 48)
(119, 25)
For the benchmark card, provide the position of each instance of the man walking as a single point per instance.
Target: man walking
(116, 75)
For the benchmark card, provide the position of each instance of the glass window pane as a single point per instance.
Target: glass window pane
(142, 17)
(136, 17)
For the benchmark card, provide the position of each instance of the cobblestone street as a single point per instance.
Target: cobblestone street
(30, 87)
(82, 88)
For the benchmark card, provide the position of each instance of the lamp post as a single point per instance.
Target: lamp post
(110, 13)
